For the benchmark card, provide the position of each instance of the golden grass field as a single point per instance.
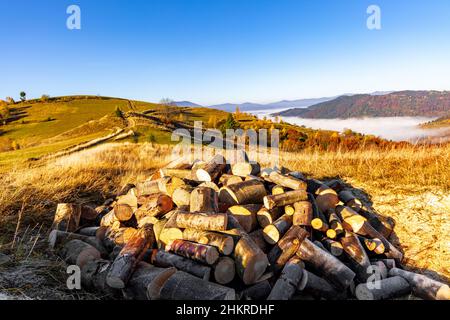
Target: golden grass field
(411, 184)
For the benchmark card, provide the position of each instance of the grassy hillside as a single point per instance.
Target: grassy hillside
(396, 104)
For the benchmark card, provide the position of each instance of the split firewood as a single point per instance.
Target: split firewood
(326, 198)
(167, 231)
(67, 217)
(155, 205)
(290, 277)
(147, 281)
(283, 199)
(183, 286)
(213, 169)
(202, 221)
(124, 264)
(266, 216)
(222, 242)
(108, 219)
(182, 196)
(246, 215)
(224, 270)
(422, 286)
(287, 181)
(274, 231)
(57, 239)
(198, 252)
(286, 248)
(204, 200)
(326, 264)
(164, 259)
(318, 287)
(243, 169)
(126, 206)
(256, 292)
(389, 288)
(147, 187)
(258, 237)
(169, 184)
(358, 256)
(303, 214)
(77, 252)
(246, 192)
(228, 179)
(276, 189)
(335, 225)
(251, 262)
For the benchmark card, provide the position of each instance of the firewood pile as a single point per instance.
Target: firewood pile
(210, 230)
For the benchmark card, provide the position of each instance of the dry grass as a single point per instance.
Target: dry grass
(411, 185)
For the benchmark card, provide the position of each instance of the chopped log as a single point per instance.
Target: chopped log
(287, 181)
(123, 211)
(389, 288)
(202, 221)
(224, 270)
(178, 173)
(228, 179)
(286, 248)
(335, 225)
(78, 253)
(266, 216)
(276, 189)
(384, 225)
(303, 214)
(155, 205)
(67, 217)
(119, 236)
(251, 262)
(204, 200)
(164, 259)
(319, 221)
(422, 286)
(357, 254)
(286, 285)
(124, 264)
(375, 245)
(213, 169)
(183, 286)
(283, 199)
(289, 209)
(198, 252)
(318, 287)
(57, 239)
(93, 278)
(246, 215)
(88, 215)
(169, 231)
(147, 187)
(346, 196)
(147, 281)
(334, 247)
(182, 196)
(326, 198)
(254, 178)
(258, 237)
(246, 192)
(273, 232)
(108, 219)
(256, 292)
(326, 264)
(222, 242)
(244, 169)
(169, 184)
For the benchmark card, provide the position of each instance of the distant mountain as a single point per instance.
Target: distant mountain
(185, 104)
(396, 104)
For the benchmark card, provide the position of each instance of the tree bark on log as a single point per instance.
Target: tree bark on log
(67, 217)
(326, 264)
(169, 184)
(258, 237)
(276, 189)
(319, 222)
(147, 187)
(286, 285)
(283, 199)
(182, 196)
(286, 248)
(228, 179)
(147, 281)
(245, 192)
(222, 242)
(246, 215)
(318, 287)
(287, 181)
(178, 173)
(183, 286)
(422, 286)
(389, 288)
(224, 270)
(358, 256)
(213, 169)
(326, 198)
(256, 292)
(335, 225)
(79, 253)
(244, 169)
(93, 278)
(303, 214)
(89, 231)
(273, 232)
(334, 247)
(198, 252)
(202, 221)
(155, 205)
(204, 200)
(57, 239)
(251, 262)
(124, 264)
(266, 217)
(164, 259)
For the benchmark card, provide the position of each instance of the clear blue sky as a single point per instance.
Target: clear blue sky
(214, 51)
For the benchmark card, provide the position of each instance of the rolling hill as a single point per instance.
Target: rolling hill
(396, 104)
